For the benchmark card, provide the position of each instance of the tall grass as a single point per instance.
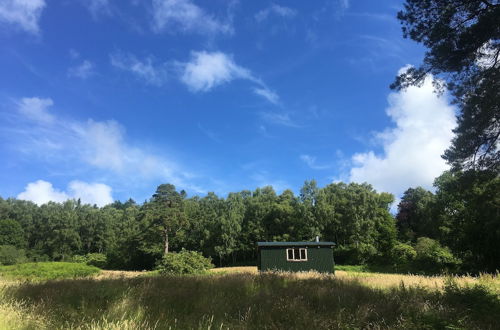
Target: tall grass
(250, 301)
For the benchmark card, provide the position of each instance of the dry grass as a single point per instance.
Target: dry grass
(110, 274)
(242, 299)
(382, 280)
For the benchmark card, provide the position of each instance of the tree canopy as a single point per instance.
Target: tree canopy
(462, 38)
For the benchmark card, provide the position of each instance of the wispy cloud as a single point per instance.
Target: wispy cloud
(83, 70)
(22, 14)
(279, 118)
(98, 8)
(277, 10)
(267, 94)
(100, 146)
(311, 162)
(144, 69)
(36, 109)
(185, 16)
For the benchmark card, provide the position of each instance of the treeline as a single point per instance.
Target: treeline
(455, 229)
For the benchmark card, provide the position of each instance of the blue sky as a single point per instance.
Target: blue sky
(106, 99)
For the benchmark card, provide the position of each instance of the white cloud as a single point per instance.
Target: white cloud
(208, 70)
(95, 146)
(488, 55)
(412, 150)
(91, 193)
(41, 192)
(82, 71)
(267, 94)
(24, 14)
(146, 69)
(277, 10)
(35, 108)
(185, 16)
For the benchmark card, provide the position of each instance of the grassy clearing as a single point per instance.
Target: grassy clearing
(244, 300)
(40, 271)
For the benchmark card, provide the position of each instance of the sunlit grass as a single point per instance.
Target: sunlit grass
(242, 298)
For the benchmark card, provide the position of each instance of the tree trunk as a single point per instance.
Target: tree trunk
(165, 242)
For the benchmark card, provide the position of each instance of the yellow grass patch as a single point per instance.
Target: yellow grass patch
(382, 280)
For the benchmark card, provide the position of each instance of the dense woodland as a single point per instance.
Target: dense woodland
(455, 229)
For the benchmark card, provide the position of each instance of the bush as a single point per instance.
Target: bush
(10, 255)
(93, 259)
(184, 262)
(433, 258)
(402, 256)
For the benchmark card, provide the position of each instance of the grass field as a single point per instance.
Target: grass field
(239, 298)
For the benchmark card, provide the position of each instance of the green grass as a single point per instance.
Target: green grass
(47, 270)
(244, 301)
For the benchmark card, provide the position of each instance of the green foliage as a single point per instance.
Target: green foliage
(433, 258)
(415, 216)
(184, 262)
(47, 270)
(403, 256)
(12, 233)
(93, 259)
(10, 255)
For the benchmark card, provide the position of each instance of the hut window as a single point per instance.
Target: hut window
(296, 254)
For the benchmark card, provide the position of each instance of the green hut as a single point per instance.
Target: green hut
(296, 256)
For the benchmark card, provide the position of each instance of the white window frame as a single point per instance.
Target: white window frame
(296, 258)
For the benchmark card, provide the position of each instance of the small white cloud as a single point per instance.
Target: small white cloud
(412, 150)
(185, 16)
(42, 192)
(267, 94)
(82, 71)
(35, 108)
(208, 70)
(277, 10)
(24, 14)
(146, 69)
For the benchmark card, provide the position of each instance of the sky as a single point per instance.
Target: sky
(104, 100)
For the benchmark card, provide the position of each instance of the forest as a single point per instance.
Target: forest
(456, 229)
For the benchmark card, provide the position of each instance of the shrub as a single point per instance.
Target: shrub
(402, 256)
(93, 259)
(10, 255)
(433, 258)
(184, 262)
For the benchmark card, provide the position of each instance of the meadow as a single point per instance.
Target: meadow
(240, 298)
